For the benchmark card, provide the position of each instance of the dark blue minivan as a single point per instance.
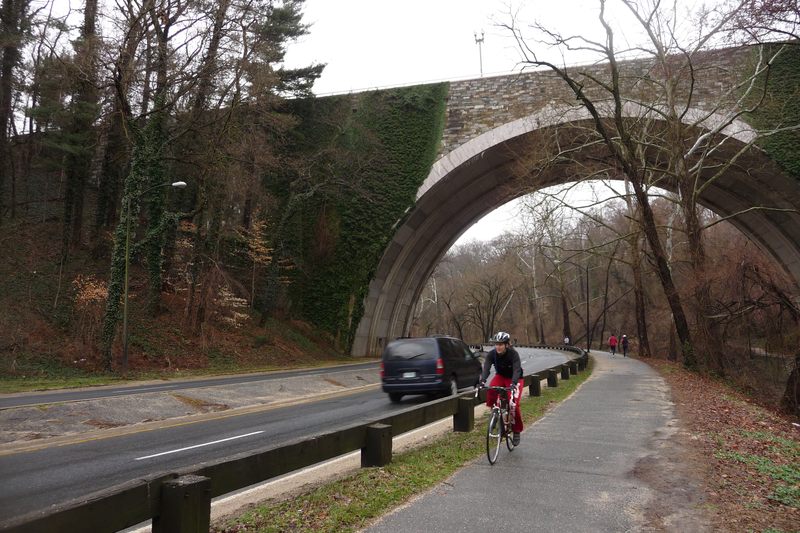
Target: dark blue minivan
(428, 365)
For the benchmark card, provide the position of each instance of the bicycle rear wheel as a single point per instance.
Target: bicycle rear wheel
(494, 432)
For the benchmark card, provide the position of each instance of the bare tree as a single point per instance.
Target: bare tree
(649, 131)
(14, 25)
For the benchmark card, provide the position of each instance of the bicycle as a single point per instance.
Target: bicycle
(501, 422)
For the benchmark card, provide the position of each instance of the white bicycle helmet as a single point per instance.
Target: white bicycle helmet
(501, 337)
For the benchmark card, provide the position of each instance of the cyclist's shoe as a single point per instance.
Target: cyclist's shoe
(515, 439)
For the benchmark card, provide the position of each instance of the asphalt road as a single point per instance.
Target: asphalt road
(59, 396)
(37, 479)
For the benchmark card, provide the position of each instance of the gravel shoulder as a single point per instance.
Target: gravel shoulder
(23, 427)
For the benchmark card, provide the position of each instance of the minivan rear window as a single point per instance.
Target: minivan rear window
(411, 349)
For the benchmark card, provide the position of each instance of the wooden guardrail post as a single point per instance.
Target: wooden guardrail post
(535, 388)
(573, 367)
(185, 506)
(464, 419)
(378, 449)
(552, 378)
(564, 371)
(582, 362)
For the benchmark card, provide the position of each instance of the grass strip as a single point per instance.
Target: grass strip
(350, 503)
(71, 380)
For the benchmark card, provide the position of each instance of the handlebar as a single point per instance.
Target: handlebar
(511, 390)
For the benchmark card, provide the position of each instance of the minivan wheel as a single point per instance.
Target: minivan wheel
(453, 386)
(395, 397)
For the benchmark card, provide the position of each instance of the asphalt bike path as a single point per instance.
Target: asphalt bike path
(573, 470)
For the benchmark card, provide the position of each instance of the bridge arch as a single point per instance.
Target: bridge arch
(477, 177)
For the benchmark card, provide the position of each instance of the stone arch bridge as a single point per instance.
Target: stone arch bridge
(491, 122)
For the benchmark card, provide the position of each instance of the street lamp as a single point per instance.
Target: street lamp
(479, 42)
(177, 185)
(588, 329)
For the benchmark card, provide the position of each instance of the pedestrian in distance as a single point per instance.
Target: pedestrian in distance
(612, 344)
(566, 341)
(508, 373)
(624, 343)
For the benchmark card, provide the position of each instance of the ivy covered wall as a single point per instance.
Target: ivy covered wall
(781, 108)
(365, 156)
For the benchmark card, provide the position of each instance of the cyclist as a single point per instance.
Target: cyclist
(508, 372)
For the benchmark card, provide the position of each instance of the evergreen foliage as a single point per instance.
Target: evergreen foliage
(382, 146)
(781, 108)
(145, 168)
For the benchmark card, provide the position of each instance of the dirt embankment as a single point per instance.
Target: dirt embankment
(735, 461)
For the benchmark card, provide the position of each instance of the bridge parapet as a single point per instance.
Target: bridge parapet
(479, 105)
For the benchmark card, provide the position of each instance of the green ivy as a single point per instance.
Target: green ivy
(781, 107)
(145, 165)
(368, 154)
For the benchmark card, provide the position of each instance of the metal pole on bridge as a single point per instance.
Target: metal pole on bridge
(588, 327)
(479, 42)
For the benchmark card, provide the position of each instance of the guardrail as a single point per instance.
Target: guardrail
(180, 502)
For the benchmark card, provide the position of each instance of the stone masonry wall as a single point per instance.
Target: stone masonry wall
(480, 105)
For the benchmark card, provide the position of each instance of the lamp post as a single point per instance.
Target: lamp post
(177, 185)
(479, 42)
(588, 328)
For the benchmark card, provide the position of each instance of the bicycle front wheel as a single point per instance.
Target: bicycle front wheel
(510, 440)
(494, 434)
(509, 434)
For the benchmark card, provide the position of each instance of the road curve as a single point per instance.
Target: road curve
(35, 480)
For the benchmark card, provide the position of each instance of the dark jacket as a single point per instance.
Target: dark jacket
(507, 365)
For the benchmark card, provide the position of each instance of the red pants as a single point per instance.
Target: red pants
(491, 396)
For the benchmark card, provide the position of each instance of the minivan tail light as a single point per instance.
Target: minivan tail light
(382, 370)
(440, 366)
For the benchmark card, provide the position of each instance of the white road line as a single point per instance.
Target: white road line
(143, 389)
(198, 446)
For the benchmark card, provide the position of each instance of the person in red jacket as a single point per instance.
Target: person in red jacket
(612, 344)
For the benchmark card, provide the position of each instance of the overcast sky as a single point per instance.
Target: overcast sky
(377, 43)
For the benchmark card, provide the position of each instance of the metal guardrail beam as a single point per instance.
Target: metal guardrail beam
(136, 501)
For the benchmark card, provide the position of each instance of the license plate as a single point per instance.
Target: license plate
(409, 374)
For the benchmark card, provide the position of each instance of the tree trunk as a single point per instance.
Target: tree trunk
(10, 22)
(115, 166)
(634, 241)
(156, 177)
(117, 154)
(83, 109)
(791, 395)
(665, 276)
(708, 342)
(641, 310)
(565, 315)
